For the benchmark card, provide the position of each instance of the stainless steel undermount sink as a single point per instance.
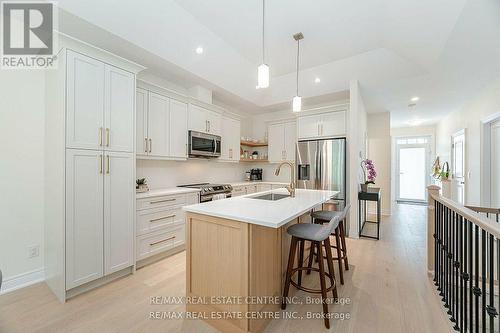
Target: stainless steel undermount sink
(271, 196)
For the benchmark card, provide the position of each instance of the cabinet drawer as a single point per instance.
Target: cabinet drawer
(237, 191)
(155, 219)
(151, 244)
(164, 201)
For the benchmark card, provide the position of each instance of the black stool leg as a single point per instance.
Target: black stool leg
(311, 256)
(344, 247)
(324, 296)
(339, 255)
(291, 259)
(301, 260)
(329, 259)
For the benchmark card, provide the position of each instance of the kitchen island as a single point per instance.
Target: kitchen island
(237, 252)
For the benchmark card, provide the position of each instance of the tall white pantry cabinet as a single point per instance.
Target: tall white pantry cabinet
(89, 169)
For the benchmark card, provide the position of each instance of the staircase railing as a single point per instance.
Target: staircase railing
(464, 261)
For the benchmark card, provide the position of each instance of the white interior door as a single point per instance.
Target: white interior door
(84, 216)
(495, 165)
(458, 167)
(119, 196)
(412, 169)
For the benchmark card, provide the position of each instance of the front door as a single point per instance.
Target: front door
(412, 172)
(458, 167)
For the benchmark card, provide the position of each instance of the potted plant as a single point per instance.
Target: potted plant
(142, 185)
(369, 174)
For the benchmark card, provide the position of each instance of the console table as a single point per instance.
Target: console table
(373, 194)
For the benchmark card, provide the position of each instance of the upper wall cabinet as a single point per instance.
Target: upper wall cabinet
(203, 120)
(161, 126)
(322, 125)
(282, 139)
(100, 109)
(230, 145)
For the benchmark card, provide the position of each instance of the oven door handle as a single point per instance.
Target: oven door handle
(215, 146)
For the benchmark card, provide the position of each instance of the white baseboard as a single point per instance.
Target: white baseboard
(22, 280)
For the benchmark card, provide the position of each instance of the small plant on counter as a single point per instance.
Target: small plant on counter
(142, 185)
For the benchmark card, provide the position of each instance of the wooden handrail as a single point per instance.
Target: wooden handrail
(486, 210)
(480, 220)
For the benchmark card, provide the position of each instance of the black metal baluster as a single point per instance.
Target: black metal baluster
(456, 265)
(498, 275)
(465, 274)
(453, 269)
(471, 276)
(450, 263)
(477, 291)
(435, 242)
(441, 243)
(483, 276)
(492, 312)
(445, 256)
(461, 270)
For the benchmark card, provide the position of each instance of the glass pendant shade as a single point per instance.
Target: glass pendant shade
(297, 104)
(263, 76)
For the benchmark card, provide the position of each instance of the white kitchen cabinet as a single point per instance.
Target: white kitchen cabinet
(100, 105)
(178, 129)
(230, 145)
(141, 122)
(84, 216)
(161, 126)
(328, 124)
(119, 122)
(89, 202)
(333, 124)
(119, 192)
(85, 102)
(282, 139)
(239, 191)
(158, 125)
(203, 120)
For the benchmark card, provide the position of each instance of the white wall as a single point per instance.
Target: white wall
(22, 113)
(379, 150)
(356, 147)
(484, 104)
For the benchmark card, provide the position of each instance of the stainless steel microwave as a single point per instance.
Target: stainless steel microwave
(204, 144)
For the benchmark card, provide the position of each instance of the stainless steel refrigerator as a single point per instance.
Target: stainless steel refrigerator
(321, 165)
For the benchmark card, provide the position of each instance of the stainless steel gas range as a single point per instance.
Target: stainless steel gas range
(209, 192)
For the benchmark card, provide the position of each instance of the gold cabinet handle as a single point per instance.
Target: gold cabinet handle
(162, 218)
(100, 136)
(160, 201)
(161, 241)
(107, 164)
(107, 137)
(150, 144)
(146, 145)
(100, 163)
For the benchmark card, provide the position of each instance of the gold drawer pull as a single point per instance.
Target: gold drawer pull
(162, 218)
(164, 240)
(160, 201)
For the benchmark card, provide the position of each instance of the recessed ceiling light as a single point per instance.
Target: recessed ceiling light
(415, 99)
(199, 50)
(317, 80)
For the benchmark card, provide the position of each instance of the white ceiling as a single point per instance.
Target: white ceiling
(443, 51)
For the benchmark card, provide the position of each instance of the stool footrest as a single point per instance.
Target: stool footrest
(309, 290)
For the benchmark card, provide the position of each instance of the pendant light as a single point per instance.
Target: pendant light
(263, 70)
(297, 100)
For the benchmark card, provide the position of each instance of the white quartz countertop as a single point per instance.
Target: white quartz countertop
(244, 183)
(166, 191)
(273, 214)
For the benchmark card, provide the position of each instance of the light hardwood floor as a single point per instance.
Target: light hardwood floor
(387, 286)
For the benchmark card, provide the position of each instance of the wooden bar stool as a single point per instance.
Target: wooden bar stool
(316, 234)
(323, 216)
